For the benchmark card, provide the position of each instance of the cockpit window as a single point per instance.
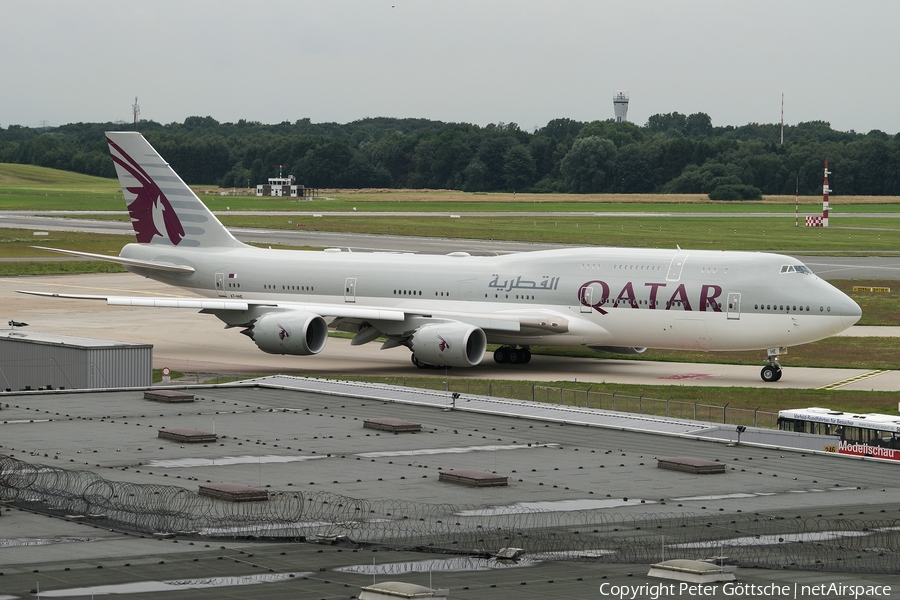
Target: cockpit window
(796, 269)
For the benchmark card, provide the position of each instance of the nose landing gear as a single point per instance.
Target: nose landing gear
(772, 371)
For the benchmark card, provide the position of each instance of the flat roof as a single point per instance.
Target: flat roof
(36, 337)
(275, 436)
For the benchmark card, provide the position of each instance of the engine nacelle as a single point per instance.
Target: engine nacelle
(449, 344)
(618, 349)
(292, 332)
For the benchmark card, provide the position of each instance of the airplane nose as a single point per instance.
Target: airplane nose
(850, 312)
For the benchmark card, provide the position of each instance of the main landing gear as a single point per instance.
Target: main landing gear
(512, 355)
(772, 371)
(422, 365)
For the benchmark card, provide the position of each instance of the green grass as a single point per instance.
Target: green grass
(833, 352)
(157, 375)
(847, 235)
(713, 233)
(18, 258)
(433, 202)
(29, 187)
(17, 243)
(31, 268)
(878, 308)
(763, 398)
(31, 178)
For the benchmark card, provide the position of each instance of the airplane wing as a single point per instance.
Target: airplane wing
(225, 304)
(443, 337)
(513, 321)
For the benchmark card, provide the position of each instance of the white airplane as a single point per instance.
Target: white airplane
(447, 309)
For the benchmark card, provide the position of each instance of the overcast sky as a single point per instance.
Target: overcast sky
(475, 61)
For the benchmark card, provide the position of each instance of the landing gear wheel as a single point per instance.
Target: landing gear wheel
(512, 355)
(417, 362)
(770, 373)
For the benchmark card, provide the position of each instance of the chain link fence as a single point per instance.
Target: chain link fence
(642, 405)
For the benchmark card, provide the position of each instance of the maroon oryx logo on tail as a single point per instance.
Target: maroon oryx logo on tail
(151, 212)
(443, 345)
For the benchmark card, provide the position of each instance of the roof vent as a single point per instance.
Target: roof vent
(389, 590)
(473, 478)
(170, 396)
(392, 425)
(185, 435)
(234, 492)
(692, 571)
(509, 554)
(688, 464)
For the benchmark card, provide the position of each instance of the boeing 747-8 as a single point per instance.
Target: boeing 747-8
(447, 309)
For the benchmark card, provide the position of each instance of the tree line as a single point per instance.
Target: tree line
(671, 153)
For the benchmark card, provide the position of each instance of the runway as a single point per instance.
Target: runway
(827, 267)
(185, 340)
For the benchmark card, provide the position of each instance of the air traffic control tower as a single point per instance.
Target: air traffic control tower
(620, 105)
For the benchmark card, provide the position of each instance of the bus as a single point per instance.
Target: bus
(872, 434)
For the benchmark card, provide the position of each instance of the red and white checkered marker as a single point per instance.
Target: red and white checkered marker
(823, 220)
(825, 191)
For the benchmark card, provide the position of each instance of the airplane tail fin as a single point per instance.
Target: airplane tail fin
(163, 209)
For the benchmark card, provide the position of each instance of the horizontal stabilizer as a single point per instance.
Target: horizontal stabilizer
(131, 262)
(197, 303)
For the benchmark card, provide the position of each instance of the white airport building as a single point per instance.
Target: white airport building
(283, 186)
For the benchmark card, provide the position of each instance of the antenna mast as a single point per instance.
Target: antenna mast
(136, 111)
(782, 118)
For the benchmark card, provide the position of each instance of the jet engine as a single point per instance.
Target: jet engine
(618, 349)
(448, 345)
(292, 332)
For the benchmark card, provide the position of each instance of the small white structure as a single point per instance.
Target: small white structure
(391, 590)
(281, 186)
(692, 571)
(620, 105)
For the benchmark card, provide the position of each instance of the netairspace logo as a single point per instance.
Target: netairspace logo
(657, 591)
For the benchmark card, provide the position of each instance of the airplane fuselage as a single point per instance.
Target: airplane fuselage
(701, 300)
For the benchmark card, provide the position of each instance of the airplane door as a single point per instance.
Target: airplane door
(586, 299)
(675, 267)
(220, 284)
(734, 306)
(350, 290)
(466, 289)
